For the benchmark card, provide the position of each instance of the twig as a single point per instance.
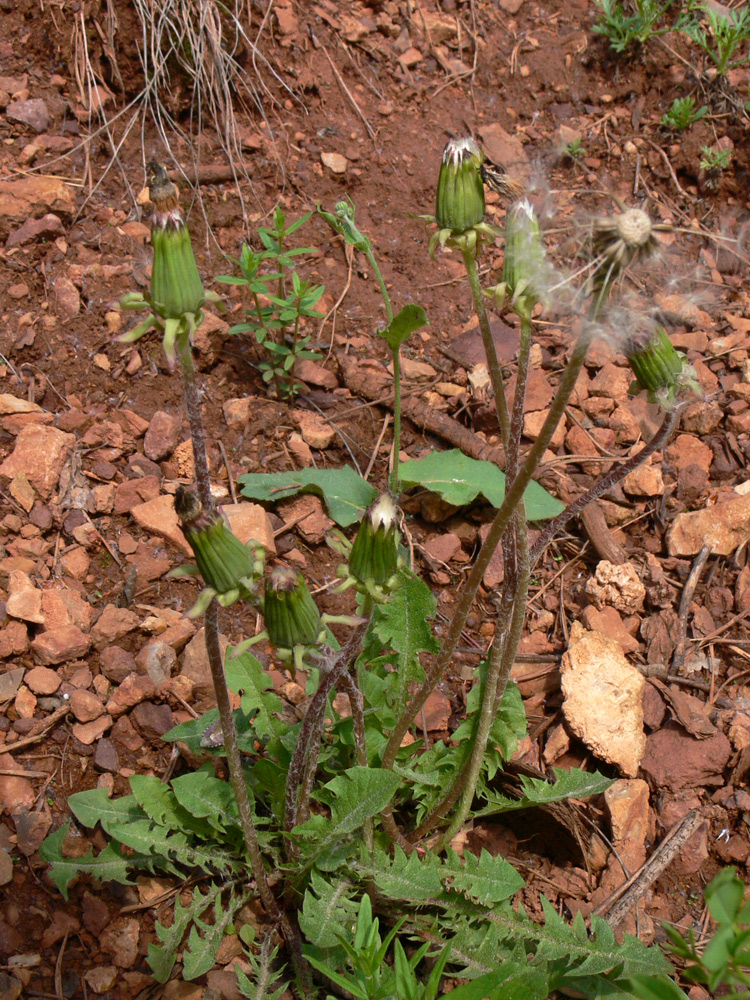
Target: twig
(621, 902)
(684, 610)
(232, 490)
(44, 725)
(370, 130)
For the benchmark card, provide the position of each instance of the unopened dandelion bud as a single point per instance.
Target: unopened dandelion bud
(176, 286)
(374, 556)
(291, 616)
(524, 257)
(653, 360)
(226, 565)
(460, 194)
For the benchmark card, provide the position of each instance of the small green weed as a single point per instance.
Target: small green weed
(722, 37)
(623, 29)
(713, 160)
(725, 959)
(575, 149)
(683, 114)
(277, 313)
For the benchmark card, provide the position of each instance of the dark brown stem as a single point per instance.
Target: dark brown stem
(606, 483)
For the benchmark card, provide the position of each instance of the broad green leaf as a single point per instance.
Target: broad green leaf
(205, 796)
(171, 848)
(513, 981)
(352, 797)
(158, 801)
(107, 866)
(403, 325)
(653, 988)
(191, 733)
(569, 783)
(345, 493)
(459, 479)
(484, 879)
(162, 957)
(245, 676)
(94, 806)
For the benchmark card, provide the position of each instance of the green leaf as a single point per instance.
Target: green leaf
(345, 493)
(352, 797)
(403, 325)
(327, 911)
(459, 479)
(484, 879)
(107, 866)
(403, 877)
(245, 676)
(205, 796)
(514, 981)
(653, 988)
(95, 806)
(569, 783)
(157, 801)
(205, 938)
(162, 957)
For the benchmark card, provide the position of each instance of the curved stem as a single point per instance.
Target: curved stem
(493, 365)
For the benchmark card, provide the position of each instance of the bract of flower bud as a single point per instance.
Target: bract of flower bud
(374, 556)
(659, 368)
(291, 615)
(460, 201)
(524, 258)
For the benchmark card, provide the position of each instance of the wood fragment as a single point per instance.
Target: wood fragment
(621, 902)
(372, 386)
(598, 531)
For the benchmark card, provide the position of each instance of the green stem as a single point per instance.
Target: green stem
(495, 370)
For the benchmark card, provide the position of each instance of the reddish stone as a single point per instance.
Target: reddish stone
(60, 645)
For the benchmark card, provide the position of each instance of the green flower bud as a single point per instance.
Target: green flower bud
(291, 615)
(658, 367)
(176, 286)
(226, 565)
(523, 264)
(460, 193)
(374, 556)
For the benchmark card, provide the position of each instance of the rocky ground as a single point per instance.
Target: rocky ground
(98, 660)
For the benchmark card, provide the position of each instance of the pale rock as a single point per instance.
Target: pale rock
(22, 492)
(612, 382)
(417, 370)
(15, 404)
(75, 562)
(14, 639)
(608, 621)
(60, 645)
(437, 712)
(335, 162)
(618, 586)
(31, 230)
(31, 829)
(250, 523)
(101, 978)
(557, 744)
(411, 58)
(67, 297)
(103, 498)
(120, 940)
(114, 623)
(88, 732)
(623, 422)
(315, 374)
(162, 436)
(645, 481)
(32, 112)
(39, 454)
(159, 517)
(442, 547)
(42, 680)
(25, 703)
(630, 818)
(16, 793)
(237, 412)
(603, 699)
(724, 527)
(85, 706)
(24, 600)
(440, 28)
(183, 459)
(315, 429)
(450, 389)
(300, 449)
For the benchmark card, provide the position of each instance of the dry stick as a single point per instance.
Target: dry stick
(685, 600)
(606, 483)
(621, 902)
(216, 664)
